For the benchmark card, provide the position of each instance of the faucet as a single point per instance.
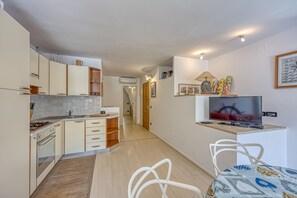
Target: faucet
(69, 113)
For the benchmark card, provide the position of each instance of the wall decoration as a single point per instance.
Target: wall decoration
(221, 86)
(286, 70)
(188, 89)
(227, 87)
(214, 86)
(206, 77)
(153, 90)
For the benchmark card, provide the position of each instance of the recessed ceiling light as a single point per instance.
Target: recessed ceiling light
(242, 39)
(202, 55)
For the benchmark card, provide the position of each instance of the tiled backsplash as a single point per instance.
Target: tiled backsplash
(60, 105)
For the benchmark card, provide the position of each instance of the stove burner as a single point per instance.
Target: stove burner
(37, 124)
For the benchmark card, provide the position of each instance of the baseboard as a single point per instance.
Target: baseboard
(186, 156)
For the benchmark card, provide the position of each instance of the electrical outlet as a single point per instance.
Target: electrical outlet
(271, 114)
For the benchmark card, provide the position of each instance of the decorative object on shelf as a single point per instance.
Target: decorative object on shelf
(206, 77)
(188, 89)
(221, 86)
(286, 70)
(214, 86)
(169, 73)
(164, 75)
(79, 62)
(227, 87)
(153, 89)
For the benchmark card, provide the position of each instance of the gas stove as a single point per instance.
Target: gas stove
(37, 124)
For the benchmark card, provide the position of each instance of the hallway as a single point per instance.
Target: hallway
(139, 148)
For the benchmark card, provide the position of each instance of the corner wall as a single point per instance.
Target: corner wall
(252, 68)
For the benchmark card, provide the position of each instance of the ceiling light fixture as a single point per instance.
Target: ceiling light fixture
(242, 39)
(148, 77)
(201, 56)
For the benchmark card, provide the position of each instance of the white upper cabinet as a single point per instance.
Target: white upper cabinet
(14, 53)
(57, 79)
(78, 80)
(34, 66)
(43, 75)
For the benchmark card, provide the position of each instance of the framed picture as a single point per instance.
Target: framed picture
(286, 70)
(188, 89)
(153, 90)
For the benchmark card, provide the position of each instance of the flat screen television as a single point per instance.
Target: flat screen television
(246, 110)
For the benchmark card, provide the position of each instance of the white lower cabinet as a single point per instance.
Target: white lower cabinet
(74, 136)
(59, 146)
(33, 159)
(95, 134)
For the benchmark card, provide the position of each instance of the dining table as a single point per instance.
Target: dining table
(254, 181)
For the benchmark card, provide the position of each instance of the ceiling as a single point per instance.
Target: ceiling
(131, 36)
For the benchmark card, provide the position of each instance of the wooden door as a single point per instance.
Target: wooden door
(145, 106)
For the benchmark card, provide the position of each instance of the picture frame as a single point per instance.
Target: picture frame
(153, 87)
(188, 89)
(286, 70)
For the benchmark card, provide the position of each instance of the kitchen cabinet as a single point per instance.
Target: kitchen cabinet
(57, 79)
(59, 146)
(78, 80)
(14, 122)
(33, 180)
(43, 75)
(14, 53)
(34, 65)
(95, 134)
(74, 136)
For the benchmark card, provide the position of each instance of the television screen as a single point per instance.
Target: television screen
(242, 109)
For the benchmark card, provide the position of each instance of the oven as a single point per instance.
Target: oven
(45, 149)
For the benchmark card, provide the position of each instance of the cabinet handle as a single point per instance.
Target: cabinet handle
(96, 122)
(96, 130)
(96, 138)
(34, 75)
(78, 121)
(61, 94)
(24, 93)
(57, 125)
(83, 94)
(95, 146)
(42, 93)
(24, 88)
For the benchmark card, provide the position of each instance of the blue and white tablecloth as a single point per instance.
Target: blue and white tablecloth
(254, 181)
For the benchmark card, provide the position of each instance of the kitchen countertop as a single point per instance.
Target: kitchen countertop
(55, 119)
(242, 130)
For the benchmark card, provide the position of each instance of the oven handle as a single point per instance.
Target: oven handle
(44, 142)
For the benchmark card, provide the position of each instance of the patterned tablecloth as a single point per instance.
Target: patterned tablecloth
(254, 181)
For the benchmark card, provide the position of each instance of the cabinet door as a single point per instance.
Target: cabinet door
(74, 136)
(33, 151)
(78, 80)
(57, 79)
(59, 146)
(14, 53)
(34, 65)
(43, 75)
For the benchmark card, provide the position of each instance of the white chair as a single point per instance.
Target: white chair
(163, 183)
(226, 145)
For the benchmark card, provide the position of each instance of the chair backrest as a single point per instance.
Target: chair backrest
(226, 145)
(163, 183)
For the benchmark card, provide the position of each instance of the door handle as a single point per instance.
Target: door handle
(95, 130)
(96, 138)
(57, 125)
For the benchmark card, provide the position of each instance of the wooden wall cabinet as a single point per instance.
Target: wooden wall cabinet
(74, 136)
(58, 79)
(96, 86)
(78, 80)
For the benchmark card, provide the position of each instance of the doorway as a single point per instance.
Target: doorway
(145, 106)
(129, 101)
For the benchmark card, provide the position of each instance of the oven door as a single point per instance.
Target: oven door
(45, 153)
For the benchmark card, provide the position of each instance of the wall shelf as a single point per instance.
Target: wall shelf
(112, 132)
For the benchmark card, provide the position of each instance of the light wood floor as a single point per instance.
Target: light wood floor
(141, 148)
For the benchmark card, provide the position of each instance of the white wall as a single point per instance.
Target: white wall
(185, 70)
(113, 94)
(252, 68)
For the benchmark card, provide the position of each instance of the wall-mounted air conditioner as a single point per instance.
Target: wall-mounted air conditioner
(128, 80)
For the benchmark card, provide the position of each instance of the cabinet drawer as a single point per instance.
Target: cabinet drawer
(96, 138)
(96, 146)
(95, 130)
(96, 123)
